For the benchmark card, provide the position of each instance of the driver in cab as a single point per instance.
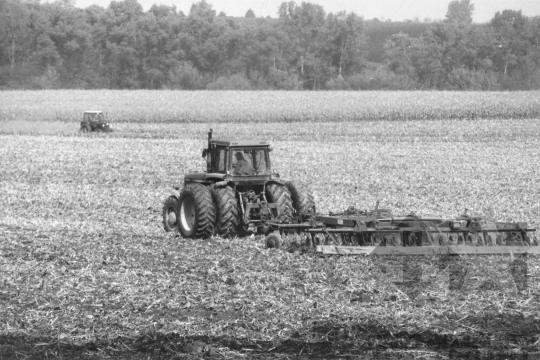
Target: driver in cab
(242, 167)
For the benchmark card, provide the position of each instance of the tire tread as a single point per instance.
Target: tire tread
(302, 197)
(278, 193)
(226, 212)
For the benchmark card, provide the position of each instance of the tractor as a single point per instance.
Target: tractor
(95, 121)
(238, 195)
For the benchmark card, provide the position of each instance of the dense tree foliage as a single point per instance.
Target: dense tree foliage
(460, 12)
(456, 54)
(378, 32)
(56, 45)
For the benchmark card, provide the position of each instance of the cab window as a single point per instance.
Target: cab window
(220, 160)
(248, 162)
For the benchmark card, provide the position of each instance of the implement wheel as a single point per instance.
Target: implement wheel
(170, 214)
(302, 197)
(279, 194)
(226, 212)
(273, 241)
(196, 212)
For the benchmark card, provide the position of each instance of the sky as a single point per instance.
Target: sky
(396, 10)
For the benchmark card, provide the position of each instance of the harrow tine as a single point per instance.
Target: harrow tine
(490, 240)
(309, 240)
(318, 239)
(427, 240)
(330, 239)
(480, 240)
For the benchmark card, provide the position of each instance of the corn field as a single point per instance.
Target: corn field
(146, 106)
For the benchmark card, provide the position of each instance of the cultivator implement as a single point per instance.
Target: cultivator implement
(378, 232)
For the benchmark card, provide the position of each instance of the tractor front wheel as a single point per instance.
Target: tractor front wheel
(170, 214)
(196, 212)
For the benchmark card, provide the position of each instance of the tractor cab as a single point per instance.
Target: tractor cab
(249, 161)
(94, 116)
(242, 160)
(238, 158)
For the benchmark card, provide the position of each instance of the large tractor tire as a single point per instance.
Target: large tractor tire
(170, 214)
(279, 194)
(226, 212)
(196, 212)
(302, 197)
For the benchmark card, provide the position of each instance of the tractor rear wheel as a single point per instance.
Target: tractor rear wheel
(196, 212)
(226, 211)
(85, 127)
(170, 214)
(302, 197)
(279, 194)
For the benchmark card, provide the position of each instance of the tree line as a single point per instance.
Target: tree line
(57, 45)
